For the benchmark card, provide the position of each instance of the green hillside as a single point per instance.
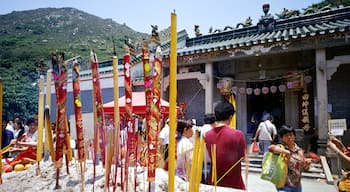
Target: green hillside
(27, 38)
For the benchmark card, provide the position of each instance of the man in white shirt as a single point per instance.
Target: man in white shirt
(266, 133)
(164, 138)
(209, 123)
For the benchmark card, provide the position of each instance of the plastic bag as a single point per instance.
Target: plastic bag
(344, 183)
(255, 147)
(274, 169)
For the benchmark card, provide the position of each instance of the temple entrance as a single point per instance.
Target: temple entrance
(260, 105)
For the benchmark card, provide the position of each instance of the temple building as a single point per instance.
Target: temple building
(293, 67)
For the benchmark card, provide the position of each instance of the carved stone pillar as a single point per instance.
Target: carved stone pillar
(209, 88)
(322, 99)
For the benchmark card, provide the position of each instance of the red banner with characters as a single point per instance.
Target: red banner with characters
(60, 79)
(78, 113)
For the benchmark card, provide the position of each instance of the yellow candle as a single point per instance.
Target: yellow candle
(69, 149)
(0, 128)
(116, 104)
(194, 166)
(213, 156)
(39, 148)
(172, 102)
(112, 136)
(200, 163)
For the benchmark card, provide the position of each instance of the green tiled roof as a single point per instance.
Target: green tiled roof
(304, 26)
(165, 46)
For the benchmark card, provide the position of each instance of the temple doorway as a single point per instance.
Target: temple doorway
(260, 105)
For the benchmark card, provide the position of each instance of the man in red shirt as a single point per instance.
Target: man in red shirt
(230, 148)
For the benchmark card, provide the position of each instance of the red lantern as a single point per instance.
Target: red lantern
(225, 85)
(282, 88)
(308, 79)
(234, 89)
(257, 91)
(249, 91)
(242, 90)
(265, 90)
(273, 89)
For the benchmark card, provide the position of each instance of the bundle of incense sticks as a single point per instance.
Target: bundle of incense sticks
(60, 77)
(79, 122)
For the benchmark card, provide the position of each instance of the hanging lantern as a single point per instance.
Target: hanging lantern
(234, 90)
(290, 85)
(242, 90)
(257, 91)
(265, 90)
(273, 89)
(249, 91)
(225, 85)
(282, 88)
(308, 79)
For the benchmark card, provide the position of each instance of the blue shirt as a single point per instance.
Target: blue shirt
(7, 136)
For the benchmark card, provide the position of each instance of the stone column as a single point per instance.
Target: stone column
(322, 99)
(209, 88)
(241, 114)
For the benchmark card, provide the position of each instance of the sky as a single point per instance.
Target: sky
(141, 14)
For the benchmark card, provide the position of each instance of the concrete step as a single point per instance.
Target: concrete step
(255, 160)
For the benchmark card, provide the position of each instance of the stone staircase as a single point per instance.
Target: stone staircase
(316, 169)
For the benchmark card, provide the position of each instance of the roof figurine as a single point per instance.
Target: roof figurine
(247, 23)
(267, 22)
(129, 47)
(286, 13)
(155, 34)
(197, 31)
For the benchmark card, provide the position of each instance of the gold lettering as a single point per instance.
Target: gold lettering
(305, 104)
(306, 127)
(306, 97)
(305, 112)
(305, 119)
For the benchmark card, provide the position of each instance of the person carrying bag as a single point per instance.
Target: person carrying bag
(275, 168)
(293, 158)
(265, 133)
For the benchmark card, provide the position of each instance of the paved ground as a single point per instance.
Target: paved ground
(255, 184)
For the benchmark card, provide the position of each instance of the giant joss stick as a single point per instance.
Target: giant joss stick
(116, 113)
(60, 77)
(39, 148)
(172, 102)
(78, 121)
(110, 137)
(131, 145)
(99, 128)
(148, 94)
(1, 128)
(155, 121)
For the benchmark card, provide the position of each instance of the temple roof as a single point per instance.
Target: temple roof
(298, 27)
(326, 21)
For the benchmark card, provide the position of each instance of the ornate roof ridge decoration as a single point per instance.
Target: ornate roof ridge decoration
(164, 45)
(335, 19)
(269, 20)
